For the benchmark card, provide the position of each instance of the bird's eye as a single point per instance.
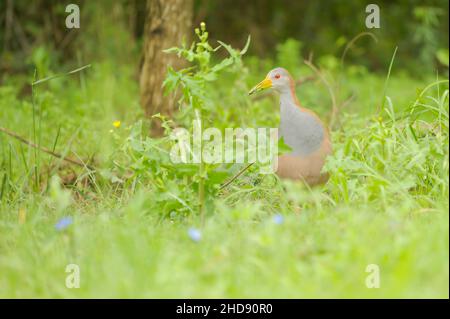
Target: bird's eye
(277, 76)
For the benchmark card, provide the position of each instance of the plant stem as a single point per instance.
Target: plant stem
(201, 173)
(201, 193)
(36, 162)
(236, 176)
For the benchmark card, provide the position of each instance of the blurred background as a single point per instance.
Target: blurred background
(34, 32)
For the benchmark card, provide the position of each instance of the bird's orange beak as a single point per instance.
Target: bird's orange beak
(264, 84)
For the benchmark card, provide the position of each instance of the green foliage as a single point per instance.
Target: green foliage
(419, 27)
(399, 154)
(142, 162)
(41, 59)
(289, 55)
(426, 33)
(195, 84)
(194, 81)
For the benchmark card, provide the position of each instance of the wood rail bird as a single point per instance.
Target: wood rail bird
(301, 129)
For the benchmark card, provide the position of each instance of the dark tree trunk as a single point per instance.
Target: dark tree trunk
(168, 22)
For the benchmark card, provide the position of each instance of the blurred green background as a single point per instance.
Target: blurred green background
(419, 28)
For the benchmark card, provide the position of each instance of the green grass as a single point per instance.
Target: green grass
(386, 202)
(314, 254)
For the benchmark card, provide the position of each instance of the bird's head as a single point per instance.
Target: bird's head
(279, 79)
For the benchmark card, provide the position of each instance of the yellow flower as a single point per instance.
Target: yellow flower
(116, 124)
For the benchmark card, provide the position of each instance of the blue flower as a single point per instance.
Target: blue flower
(63, 223)
(278, 219)
(195, 234)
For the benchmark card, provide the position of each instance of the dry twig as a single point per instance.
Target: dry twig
(46, 150)
(236, 176)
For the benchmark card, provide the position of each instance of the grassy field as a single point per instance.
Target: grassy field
(132, 224)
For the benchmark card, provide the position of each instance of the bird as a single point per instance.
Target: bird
(301, 129)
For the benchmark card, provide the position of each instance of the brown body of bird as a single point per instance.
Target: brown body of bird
(301, 129)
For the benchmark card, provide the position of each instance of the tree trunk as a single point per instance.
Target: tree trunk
(168, 22)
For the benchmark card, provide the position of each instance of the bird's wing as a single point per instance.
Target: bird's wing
(302, 131)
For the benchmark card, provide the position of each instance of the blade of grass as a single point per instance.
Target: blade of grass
(381, 107)
(60, 75)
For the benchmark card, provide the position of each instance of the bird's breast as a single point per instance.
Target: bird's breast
(301, 131)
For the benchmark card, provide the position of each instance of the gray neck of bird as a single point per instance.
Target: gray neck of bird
(287, 97)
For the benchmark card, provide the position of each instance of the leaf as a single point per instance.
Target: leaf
(247, 44)
(283, 148)
(171, 50)
(230, 49)
(442, 56)
(222, 65)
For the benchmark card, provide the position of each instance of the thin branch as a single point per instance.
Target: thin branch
(236, 176)
(46, 150)
(341, 106)
(352, 41)
(320, 74)
(348, 101)
(305, 79)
